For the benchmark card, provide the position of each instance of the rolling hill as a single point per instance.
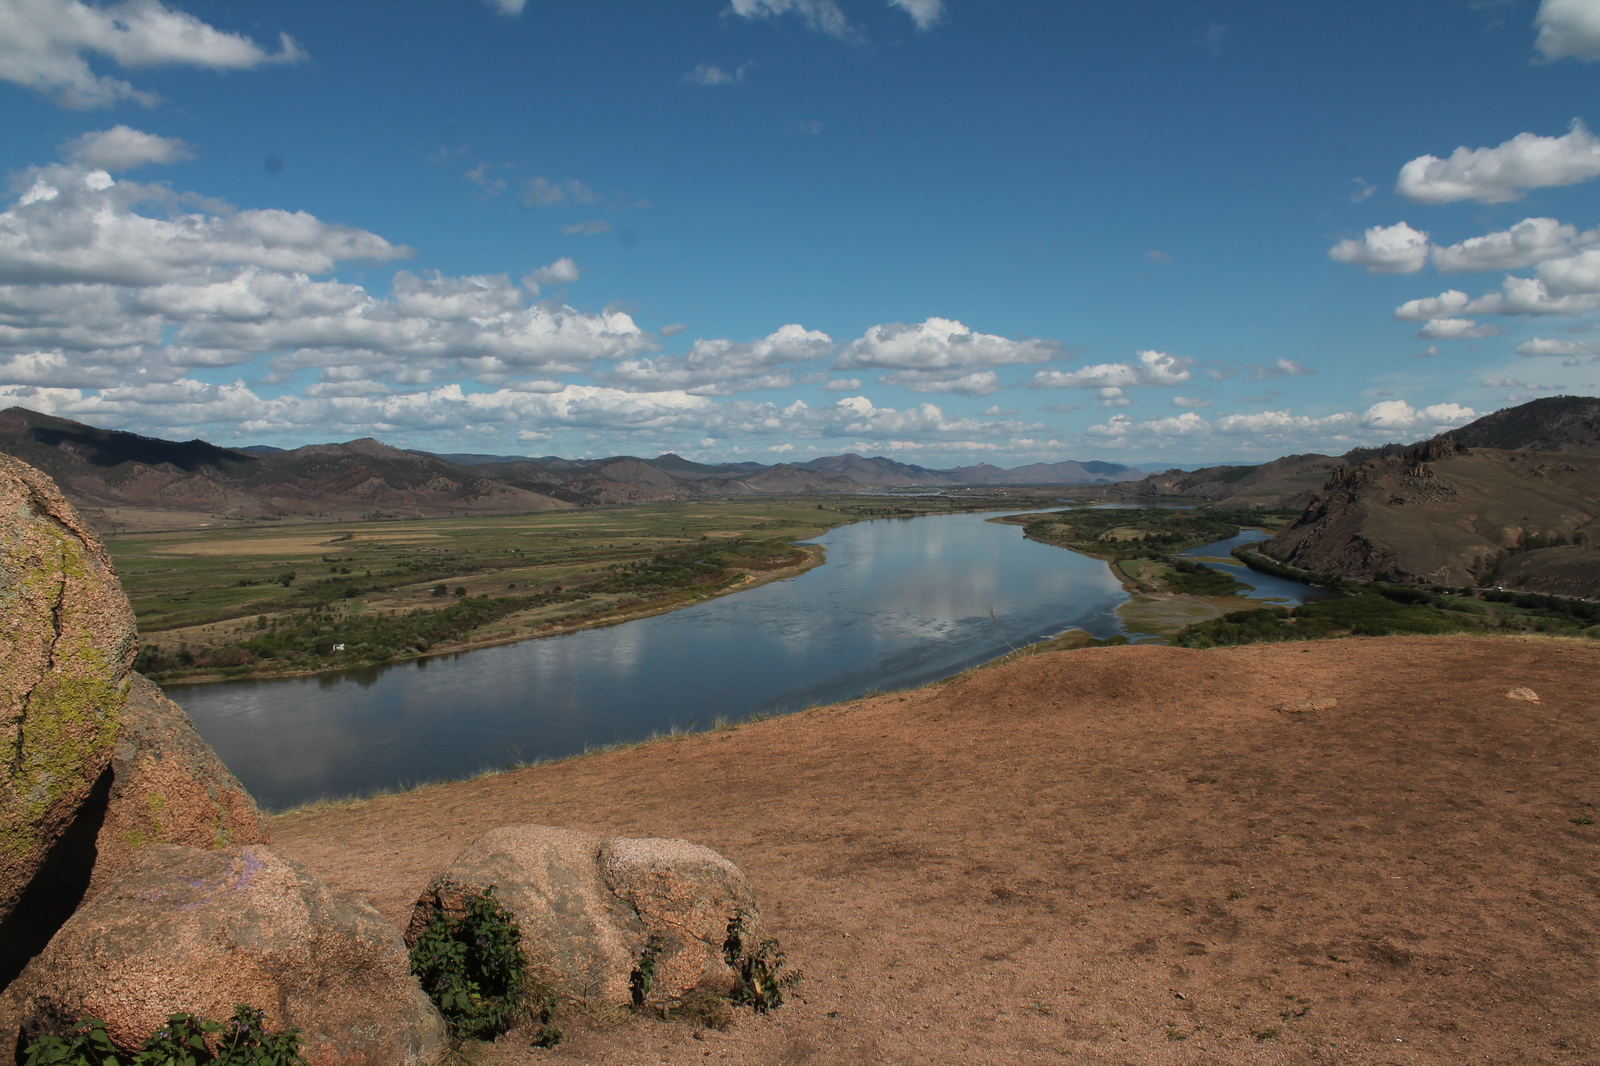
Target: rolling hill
(1512, 499)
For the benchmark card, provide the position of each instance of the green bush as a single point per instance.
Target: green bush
(758, 982)
(186, 1040)
(472, 968)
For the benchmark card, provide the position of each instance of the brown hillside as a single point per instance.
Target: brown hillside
(1445, 514)
(1121, 855)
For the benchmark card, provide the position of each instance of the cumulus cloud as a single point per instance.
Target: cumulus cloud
(1568, 28)
(711, 74)
(95, 293)
(822, 16)
(1543, 346)
(1271, 431)
(44, 45)
(842, 385)
(1190, 402)
(509, 8)
(183, 407)
(724, 367)
(1450, 329)
(123, 148)
(1531, 241)
(1396, 249)
(1153, 368)
(1442, 306)
(977, 383)
(1505, 172)
(925, 13)
(941, 355)
(562, 272)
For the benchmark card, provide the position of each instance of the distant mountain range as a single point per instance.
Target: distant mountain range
(106, 472)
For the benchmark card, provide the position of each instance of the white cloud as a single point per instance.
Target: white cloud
(180, 408)
(1280, 368)
(1531, 241)
(823, 16)
(44, 45)
(1396, 249)
(1191, 402)
(724, 367)
(1153, 368)
(842, 385)
(1530, 296)
(925, 13)
(977, 383)
(562, 272)
(1542, 346)
(1275, 431)
(672, 329)
(123, 148)
(941, 355)
(1568, 28)
(1503, 173)
(509, 8)
(93, 293)
(1156, 256)
(1450, 329)
(1442, 306)
(1363, 190)
(711, 74)
(542, 192)
(587, 229)
(1513, 383)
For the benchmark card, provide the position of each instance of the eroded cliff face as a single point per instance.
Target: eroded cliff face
(1441, 513)
(67, 642)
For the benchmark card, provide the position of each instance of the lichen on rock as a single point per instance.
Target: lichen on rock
(67, 642)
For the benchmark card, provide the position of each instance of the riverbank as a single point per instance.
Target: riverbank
(1123, 854)
(1152, 613)
(226, 605)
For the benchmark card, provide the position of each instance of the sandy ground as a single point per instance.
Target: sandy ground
(1117, 855)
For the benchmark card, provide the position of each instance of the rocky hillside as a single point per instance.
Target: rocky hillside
(1286, 484)
(1512, 499)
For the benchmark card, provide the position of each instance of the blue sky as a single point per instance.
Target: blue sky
(942, 230)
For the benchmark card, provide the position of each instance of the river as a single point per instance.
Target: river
(899, 603)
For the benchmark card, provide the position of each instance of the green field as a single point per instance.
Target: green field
(227, 603)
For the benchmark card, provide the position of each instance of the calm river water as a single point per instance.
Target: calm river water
(900, 602)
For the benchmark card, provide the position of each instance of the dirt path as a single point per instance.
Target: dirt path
(1118, 855)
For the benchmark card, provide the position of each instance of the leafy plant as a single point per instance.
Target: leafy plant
(471, 966)
(643, 977)
(757, 978)
(185, 1040)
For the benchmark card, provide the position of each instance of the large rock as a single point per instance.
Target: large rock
(183, 929)
(67, 643)
(588, 907)
(168, 787)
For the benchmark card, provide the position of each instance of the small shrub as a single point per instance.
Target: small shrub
(757, 978)
(186, 1040)
(472, 969)
(643, 977)
(703, 1008)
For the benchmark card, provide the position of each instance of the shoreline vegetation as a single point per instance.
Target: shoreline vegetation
(221, 605)
(1193, 606)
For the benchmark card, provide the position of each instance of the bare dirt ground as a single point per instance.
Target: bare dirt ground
(1116, 855)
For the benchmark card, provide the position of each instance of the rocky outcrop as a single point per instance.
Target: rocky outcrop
(168, 787)
(589, 908)
(184, 929)
(684, 894)
(66, 653)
